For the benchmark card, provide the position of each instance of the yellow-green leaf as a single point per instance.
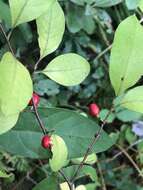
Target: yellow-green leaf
(15, 86)
(27, 10)
(64, 186)
(68, 69)
(133, 99)
(51, 26)
(7, 122)
(59, 153)
(91, 159)
(126, 64)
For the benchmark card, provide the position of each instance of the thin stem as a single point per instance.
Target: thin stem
(38, 118)
(131, 160)
(66, 179)
(37, 63)
(7, 39)
(93, 142)
(103, 52)
(101, 176)
(129, 147)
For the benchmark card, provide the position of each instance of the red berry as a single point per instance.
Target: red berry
(36, 100)
(94, 110)
(46, 142)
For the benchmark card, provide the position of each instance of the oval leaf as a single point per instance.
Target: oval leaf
(106, 3)
(15, 85)
(51, 26)
(50, 183)
(5, 13)
(133, 100)
(59, 153)
(27, 10)
(126, 57)
(7, 122)
(91, 159)
(68, 70)
(74, 128)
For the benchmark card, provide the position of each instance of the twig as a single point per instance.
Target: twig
(66, 179)
(101, 176)
(90, 147)
(38, 118)
(121, 152)
(131, 160)
(37, 63)
(103, 52)
(7, 39)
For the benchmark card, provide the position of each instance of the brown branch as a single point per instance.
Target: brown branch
(131, 160)
(7, 39)
(38, 118)
(66, 179)
(90, 147)
(101, 176)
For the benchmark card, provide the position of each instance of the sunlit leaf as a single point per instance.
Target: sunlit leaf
(126, 57)
(27, 10)
(68, 70)
(51, 26)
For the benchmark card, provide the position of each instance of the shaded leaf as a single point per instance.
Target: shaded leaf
(7, 122)
(107, 3)
(76, 130)
(5, 13)
(50, 183)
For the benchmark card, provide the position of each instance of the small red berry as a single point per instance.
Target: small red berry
(36, 100)
(94, 110)
(46, 142)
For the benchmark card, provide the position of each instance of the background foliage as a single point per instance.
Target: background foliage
(90, 29)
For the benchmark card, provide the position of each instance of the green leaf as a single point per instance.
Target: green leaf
(131, 5)
(59, 153)
(141, 5)
(15, 86)
(85, 171)
(92, 186)
(68, 70)
(50, 183)
(3, 174)
(51, 26)
(7, 122)
(126, 57)
(133, 99)
(91, 159)
(5, 13)
(107, 3)
(64, 186)
(26, 139)
(81, 187)
(27, 10)
(75, 129)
